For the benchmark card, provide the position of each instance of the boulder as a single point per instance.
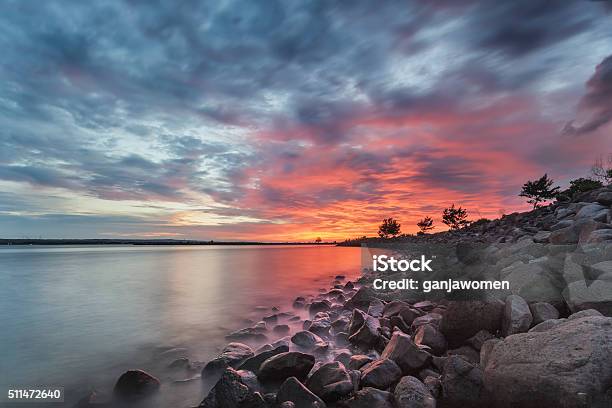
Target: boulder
(592, 212)
(393, 308)
(306, 340)
(485, 350)
(461, 383)
(569, 365)
(319, 306)
(235, 389)
(463, 319)
(599, 236)
(429, 318)
(369, 397)
(542, 311)
(407, 355)
(253, 363)
(367, 335)
(605, 198)
(517, 316)
(294, 391)
(467, 353)
(376, 308)
(330, 382)
(357, 320)
(582, 295)
(430, 336)
(361, 299)
(477, 340)
(380, 374)
(281, 329)
(359, 360)
(135, 384)
(285, 365)
(410, 392)
(320, 324)
(232, 356)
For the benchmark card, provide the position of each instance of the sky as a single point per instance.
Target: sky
(286, 120)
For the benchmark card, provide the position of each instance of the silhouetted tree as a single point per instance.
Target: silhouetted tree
(426, 224)
(455, 218)
(582, 185)
(539, 190)
(318, 240)
(389, 228)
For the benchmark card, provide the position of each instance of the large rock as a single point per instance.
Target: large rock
(461, 383)
(306, 340)
(369, 397)
(285, 365)
(235, 389)
(361, 300)
(135, 384)
(593, 212)
(319, 306)
(406, 354)
(293, 390)
(463, 319)
(534, 282)
(583, 295)
(517, 316)
(359, 360)
(569, 365)
(367, 335)
(253, 363)
(605, 198)
(232, 356)
(542, 311)
(410, 392)
(331, 382)
(430, 336)
(380, 374)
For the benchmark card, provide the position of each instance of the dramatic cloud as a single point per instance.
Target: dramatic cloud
(283, 120)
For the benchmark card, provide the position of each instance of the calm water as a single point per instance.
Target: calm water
(79, 316)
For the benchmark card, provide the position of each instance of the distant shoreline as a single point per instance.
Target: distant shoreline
(25, 241)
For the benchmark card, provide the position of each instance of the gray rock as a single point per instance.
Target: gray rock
(463, 319)
(253, 363)
(330, 382)
(367, 335)
(584, 313)
(380, 374)
(369, 397)
(232, 356)
(306, 340)
(541, 237)
(429, 318)
(285, 365)
(560, 225)
(412, 393)
(485, 350)
(358, 361)
(235, 389)
(466, 352)
(320, 325)
(434, 385)
(542, 311)
(361, 300)
(293, 390)
(517, 316)
(583, 295)
(461, 383)
(393, 308)
(605, 198)
(569, 365)
(319, 306)
(407, 355)
(430, 336)
(135, 384)
(477, 340)
(376, 308)
(546, 325)
(599, 236)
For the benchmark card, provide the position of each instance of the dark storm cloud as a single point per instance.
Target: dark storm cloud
(597, 102)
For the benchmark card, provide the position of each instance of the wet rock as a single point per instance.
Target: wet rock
(569, 365)
(235, 389)
(463, 319)
(253, 363)
(342, 355)
(341, 324)
(330, 382)
(358, 361)
(408, 314)
(380, 374)
(272, 319)
(461, 383)
(232, 356)
(361, 300)
(398, 322)
(369, 397)
(292, 390)
(367, 335)
(376, 308)
(542, 311)
(320, 324)
(430, 336)
(248, 334)
(307, 340)
(433, 319)
(281, 329)
(319, 306)
(299, 303)
(407, 355)
(393, 308)
(285, 365)
(179, 364)
(349, 285)
(135, 384)
(357, 320)
(517, 316)
(477, 340)
(410, 392)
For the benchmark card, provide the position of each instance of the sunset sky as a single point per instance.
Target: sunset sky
(288, 120)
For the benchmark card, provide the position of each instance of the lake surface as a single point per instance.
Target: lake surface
(79, 316)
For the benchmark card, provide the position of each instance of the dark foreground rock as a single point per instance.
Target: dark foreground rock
(285, 365)
(235, 389)
(135, 384)
(410, 392)
(232, 356)
(330, 382)
(369, 398)
(292, 390)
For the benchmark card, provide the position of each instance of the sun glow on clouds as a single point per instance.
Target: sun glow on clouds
(289, 121)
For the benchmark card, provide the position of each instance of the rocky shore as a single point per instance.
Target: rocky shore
(545, 343)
